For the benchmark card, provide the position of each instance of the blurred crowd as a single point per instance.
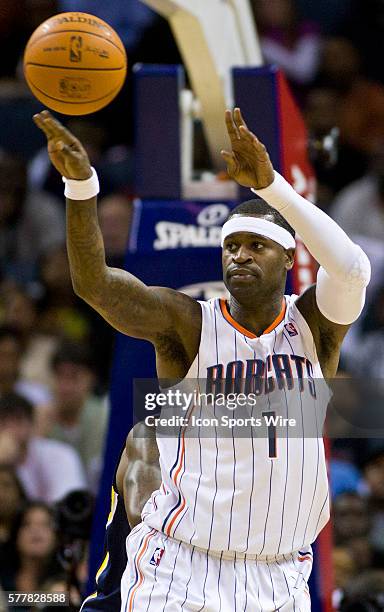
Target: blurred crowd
(55, 352)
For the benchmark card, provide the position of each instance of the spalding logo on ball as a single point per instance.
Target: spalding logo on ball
(75, 63)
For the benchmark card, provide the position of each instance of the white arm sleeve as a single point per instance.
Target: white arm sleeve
(345, 269)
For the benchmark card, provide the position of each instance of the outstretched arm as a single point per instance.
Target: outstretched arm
(122, 299)
(338, 298)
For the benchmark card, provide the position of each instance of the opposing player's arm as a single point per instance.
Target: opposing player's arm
(139, 471)
(338, 297)
(122, 299)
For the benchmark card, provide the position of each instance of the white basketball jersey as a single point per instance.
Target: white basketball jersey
(260, 489)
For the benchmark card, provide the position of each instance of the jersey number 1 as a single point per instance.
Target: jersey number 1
(272, 445)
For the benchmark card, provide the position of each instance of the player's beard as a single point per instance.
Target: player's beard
(259, 290)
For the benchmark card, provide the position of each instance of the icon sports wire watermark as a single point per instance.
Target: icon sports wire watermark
(206, 408)
(187, 401)
(308, 408)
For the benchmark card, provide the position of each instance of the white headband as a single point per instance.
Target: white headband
(262, 227)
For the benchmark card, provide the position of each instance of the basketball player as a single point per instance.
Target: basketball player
(136, 477)
(231, 526)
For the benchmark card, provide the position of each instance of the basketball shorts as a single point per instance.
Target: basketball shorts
(166, 575)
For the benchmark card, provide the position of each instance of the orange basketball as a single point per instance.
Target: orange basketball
(75, 63)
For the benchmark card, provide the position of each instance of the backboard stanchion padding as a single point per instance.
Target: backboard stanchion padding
(158, 130)
(256, 94)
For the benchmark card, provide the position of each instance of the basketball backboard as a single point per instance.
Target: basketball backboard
(213, 36)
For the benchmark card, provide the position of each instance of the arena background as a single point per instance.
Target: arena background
(56, 354)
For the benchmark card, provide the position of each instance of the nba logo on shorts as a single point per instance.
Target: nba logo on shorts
(156, 557)
(291, 329)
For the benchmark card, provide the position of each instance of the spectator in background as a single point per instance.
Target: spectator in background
(21, 312)
(344, 418)
(340, 64)
(47, 469)
(359, 207)
(76, 416)
(115, 215)
(322, 113)
(11, 350)
(351, 525)
(368, 342)
(365, 593)
(31, 222)
(12, 497)
(3, 602)
(374, 476)
(342, 97)
(58, 584)
(350, 515)
(362, 116)
(62, 314)
(344, 570)
(359, 210)
(287, 40)
(32, 558)
(361, 112)
(344, 476)
(361, 552)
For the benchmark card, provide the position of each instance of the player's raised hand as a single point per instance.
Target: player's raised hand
(66, 152)
(249, 162)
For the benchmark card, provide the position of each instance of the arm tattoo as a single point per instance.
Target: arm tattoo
(121, 298)
(158, 314)
(85, 248)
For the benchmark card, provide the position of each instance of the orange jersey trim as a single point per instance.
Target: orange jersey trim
(243, 330)
(181, 508)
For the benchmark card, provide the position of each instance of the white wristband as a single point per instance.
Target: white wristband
(82, 190)
(278, 194)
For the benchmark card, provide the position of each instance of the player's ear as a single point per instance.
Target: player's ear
(289, 258)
